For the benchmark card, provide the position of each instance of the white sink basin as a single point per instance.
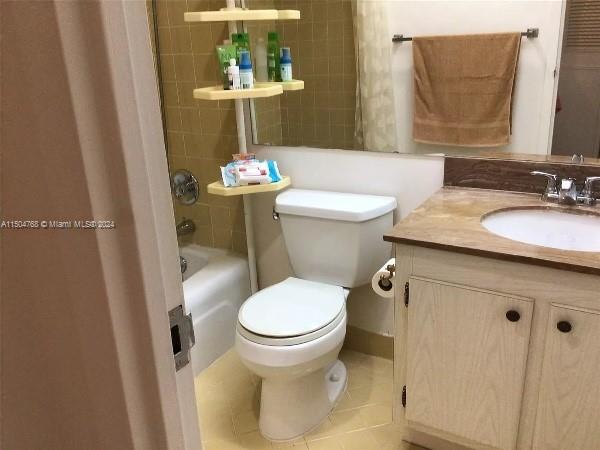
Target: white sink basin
(547, 227)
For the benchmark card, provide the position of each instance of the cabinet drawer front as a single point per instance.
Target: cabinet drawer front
(466, 358)
(569, 402)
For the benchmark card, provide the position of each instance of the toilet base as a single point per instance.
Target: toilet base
(291, 408)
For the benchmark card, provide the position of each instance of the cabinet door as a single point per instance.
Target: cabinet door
(466, 358)
(569, 403)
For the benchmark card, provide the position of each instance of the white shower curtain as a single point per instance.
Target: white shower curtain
(375, 115)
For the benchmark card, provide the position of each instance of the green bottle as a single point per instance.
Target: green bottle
(273, 68)
(242, 43)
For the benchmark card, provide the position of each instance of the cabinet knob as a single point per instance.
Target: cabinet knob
(564, 326)
(513, 316)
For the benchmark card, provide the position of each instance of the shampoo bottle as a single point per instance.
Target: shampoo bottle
(274, 72)
(242, 43)
(260, 55)
(286, 64)
(246, 75)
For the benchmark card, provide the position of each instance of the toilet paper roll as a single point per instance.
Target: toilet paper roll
(383, 281)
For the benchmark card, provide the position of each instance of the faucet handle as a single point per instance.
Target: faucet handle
(552, 186)
(588, 190)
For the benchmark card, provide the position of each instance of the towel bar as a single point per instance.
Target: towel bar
(530, 34)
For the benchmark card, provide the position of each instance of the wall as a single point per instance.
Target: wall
(409, 178)
(534, 97)
(202, 135)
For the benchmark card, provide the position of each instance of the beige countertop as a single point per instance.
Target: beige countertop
(451, 220)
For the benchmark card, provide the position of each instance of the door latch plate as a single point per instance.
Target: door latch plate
(182, 336)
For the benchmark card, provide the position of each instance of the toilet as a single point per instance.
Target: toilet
(290, 334)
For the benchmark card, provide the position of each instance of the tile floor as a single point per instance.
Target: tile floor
(228, 404)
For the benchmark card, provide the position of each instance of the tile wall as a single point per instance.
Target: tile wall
(202, 135)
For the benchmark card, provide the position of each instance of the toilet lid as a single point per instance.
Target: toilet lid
(293, 307)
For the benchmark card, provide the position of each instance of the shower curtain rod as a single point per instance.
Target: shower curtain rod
(530, 33)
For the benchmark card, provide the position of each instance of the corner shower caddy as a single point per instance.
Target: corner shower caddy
(232, 14)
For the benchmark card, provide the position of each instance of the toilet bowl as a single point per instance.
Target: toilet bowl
(290, 334)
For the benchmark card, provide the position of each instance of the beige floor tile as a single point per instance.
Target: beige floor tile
(352, 359)
(228, 398)
(254, 441)
(243, 400)
(358, 440)
(368, 395)
(220, 444)
(212, 399)
(401, 446)
(330, 443)
(359, 376)
(345, 403)
(217, 429)
(299, 444)
(346, 421)
(387, 435)
(377, 414)
(324, 430)
(379, 366)
(206, 381)
(210, 419)
(245, 422)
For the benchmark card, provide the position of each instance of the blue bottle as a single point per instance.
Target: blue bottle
(246, 75)
(286, 64)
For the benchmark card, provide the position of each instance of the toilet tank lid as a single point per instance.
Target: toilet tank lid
(333, 205)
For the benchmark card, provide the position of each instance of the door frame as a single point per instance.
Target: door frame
(122, 28)
(127, 28)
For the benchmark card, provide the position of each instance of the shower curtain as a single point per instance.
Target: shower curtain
(375, 119)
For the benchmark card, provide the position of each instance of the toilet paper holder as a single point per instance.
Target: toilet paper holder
(385, 280)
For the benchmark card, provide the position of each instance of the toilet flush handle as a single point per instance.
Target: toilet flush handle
(275, 214)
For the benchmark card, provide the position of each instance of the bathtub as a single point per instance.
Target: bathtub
(215, 285)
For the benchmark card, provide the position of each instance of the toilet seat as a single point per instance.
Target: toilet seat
(292, 312)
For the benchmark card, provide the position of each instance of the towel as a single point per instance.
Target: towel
(463, 88)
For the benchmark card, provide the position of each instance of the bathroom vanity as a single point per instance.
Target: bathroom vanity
(498, 341)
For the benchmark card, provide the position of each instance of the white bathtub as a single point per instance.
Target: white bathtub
(215, 285)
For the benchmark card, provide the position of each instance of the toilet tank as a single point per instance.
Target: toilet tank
(335, 237)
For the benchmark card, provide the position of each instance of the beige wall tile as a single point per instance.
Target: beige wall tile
(201, 135)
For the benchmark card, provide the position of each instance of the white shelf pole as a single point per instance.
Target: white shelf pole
(241, 132)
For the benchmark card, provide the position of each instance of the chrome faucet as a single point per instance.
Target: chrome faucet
(587, 194)
(567, 194)
(564, 191)
(186, 226)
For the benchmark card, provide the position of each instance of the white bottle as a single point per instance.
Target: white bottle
(233, 73)
(260, 53)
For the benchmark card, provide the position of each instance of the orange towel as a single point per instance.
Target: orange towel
(463, 88)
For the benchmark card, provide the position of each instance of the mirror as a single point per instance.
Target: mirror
(577, 120)
(358, 91)
(323, 56)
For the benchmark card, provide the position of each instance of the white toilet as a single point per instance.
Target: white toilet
(290, 334)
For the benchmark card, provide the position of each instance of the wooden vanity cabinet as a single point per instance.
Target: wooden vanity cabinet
(466, 356)
(493, 354)
(568, 415)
